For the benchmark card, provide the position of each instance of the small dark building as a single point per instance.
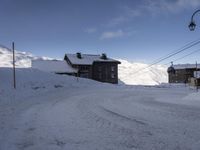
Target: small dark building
(96, 67)
(182, 73)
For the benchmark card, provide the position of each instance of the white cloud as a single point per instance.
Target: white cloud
(117, 20)
(91, 30)
(169, 6)
(152, 7)
(112, 34)
(118, 34)
(126, 15)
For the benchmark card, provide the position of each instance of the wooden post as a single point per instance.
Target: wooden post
(14, 76)
(77, 75)
(196, 76)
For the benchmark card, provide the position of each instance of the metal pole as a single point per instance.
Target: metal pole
(192, 24)
(192, 18)
(14, 76)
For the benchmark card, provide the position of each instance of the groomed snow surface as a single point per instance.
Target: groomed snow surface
(53, 112)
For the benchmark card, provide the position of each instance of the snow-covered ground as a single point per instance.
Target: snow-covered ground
(54, 112)
(127, 71)
(60, 112)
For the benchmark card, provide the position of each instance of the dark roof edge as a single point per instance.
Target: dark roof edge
(108, 61)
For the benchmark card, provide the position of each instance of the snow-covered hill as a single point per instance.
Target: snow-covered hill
(23, 59)
(152, 76)
(129, 73)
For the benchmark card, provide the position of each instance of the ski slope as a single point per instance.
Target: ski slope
(139, 74)
(53, 112)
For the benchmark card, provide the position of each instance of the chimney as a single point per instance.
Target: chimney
(78, 55)
(104, 56)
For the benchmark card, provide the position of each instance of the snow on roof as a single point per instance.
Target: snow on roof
(57, 66)
(87, 59)
(186, 66)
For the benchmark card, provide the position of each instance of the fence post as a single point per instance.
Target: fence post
(14, 74)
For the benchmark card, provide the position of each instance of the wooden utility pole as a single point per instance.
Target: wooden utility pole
(196, 76)
(14, 76)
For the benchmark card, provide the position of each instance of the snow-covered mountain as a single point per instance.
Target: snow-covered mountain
(135, 74)
(127, 71)
(22, 59)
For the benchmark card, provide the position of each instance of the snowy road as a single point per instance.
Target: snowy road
(136, 118)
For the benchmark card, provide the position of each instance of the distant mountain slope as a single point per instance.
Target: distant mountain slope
(23, 59)
(152, 76)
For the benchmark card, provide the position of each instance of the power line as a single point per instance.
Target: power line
(188, 44)
(184, 48)
(198, 50)
(184, 56)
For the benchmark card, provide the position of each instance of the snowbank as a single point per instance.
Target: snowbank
(30, 81)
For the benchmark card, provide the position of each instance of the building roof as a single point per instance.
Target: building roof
(186, 66)
(87, 59)
(56, 66)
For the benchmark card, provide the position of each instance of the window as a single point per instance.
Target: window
(100, 76)
(84, 67)
(84, 75)
(99, 68)
(112, 68)
(112, 75)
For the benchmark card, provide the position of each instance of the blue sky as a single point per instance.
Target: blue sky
(135, 30)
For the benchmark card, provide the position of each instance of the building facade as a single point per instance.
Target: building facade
(182, 73)
(96, 67)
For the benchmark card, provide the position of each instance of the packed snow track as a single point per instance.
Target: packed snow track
(111, 118)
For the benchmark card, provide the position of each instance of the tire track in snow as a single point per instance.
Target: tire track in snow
(131, 130)
(123, 116)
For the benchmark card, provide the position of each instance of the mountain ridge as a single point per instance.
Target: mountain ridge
(22, 59)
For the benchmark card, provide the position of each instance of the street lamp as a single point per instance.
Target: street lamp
(192, 24)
